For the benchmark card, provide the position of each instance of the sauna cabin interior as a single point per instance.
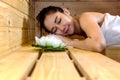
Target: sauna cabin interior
(20, 61)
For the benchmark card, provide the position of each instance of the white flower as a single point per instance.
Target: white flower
(55, 44)
(37, 40)
(43, 41)
(50, 41)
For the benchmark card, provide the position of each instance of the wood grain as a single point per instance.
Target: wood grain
(95, 66)
(18, 64)
(113, 52)
(55, 66)
(16, 23)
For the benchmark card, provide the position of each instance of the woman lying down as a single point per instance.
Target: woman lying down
(99, 30)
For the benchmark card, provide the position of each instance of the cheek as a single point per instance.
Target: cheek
(67, 19)
(58, 32)
(48, 26)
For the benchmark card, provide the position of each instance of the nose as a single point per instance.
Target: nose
(61, 28)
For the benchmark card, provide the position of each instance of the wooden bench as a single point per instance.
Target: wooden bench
(72, 64)
(68, 65)
(113, 52)
(55, 66)
(18, 64)
(95, 66)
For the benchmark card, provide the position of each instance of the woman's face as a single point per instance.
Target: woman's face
(59, 23)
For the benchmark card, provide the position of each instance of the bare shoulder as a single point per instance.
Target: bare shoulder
(96, 16)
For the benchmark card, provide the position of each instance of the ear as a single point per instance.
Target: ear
(66, 11)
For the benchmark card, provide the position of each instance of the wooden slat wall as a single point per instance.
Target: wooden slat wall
(79, 6)
(16, 23)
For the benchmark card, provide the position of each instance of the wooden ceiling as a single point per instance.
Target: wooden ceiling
(72, 0)
(57, 0)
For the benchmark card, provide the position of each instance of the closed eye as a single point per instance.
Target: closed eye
(54, 29)
(59, 21)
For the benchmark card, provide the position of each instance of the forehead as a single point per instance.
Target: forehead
(50, 19)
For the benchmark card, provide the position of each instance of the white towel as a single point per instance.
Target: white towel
(111, 29)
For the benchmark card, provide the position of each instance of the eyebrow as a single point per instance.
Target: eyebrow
(56, 19)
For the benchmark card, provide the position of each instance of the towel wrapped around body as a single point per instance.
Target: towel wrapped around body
(111, 29)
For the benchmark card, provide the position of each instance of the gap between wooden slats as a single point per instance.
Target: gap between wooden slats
(18, 64)
(55, 66)
(95, 66)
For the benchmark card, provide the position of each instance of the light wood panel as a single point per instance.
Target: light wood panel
(20, 5)
(12, 17)
(17, 36)
(3, 39)
(113, 52)
(77, 8)
(72, 0)
(24, 6)
(18, 64)
(3, 10)
(17, 21)
(95, 66)
(55, 66)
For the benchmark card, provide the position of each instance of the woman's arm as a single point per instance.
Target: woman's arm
(90, 24)
(95, 40)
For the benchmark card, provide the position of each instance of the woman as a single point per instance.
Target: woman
(91, 25)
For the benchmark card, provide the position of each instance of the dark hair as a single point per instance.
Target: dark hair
(45, 11)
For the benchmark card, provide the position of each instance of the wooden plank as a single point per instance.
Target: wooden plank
(80, 7)
(74, 0)
(3, 39)
(18, 64)
(3, 34)
(95, 66)
(31, 34)
(113, 52)
(55, 66)
(20, 5)
(17, 37)
(10, 16)
(24, 6)
(3, 14)
(15, 28)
